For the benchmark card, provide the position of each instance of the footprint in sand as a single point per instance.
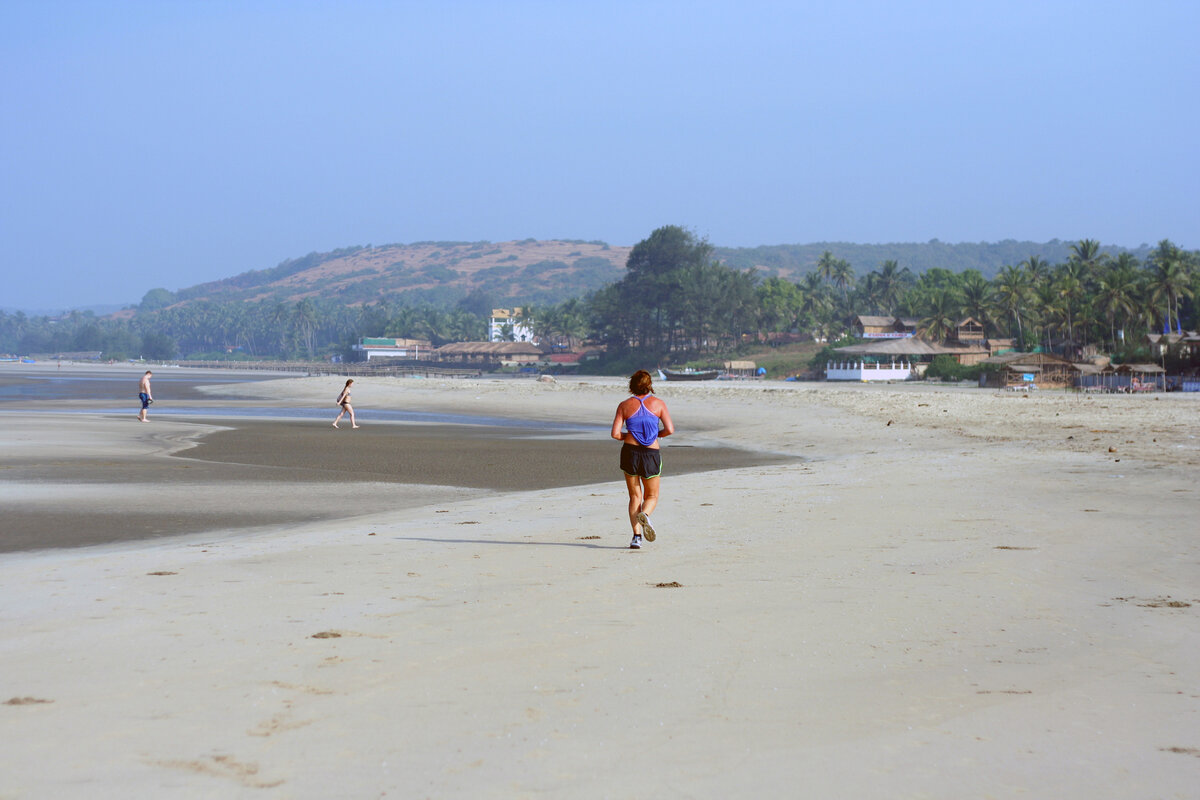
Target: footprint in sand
(245, 773)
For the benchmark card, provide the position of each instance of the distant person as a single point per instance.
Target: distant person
(343, 401)
(641, 457)
(145, 395)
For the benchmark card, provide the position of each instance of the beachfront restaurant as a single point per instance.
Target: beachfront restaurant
(894, 359)
(503, 353)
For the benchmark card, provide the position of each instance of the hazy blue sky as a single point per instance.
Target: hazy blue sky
(160, 143)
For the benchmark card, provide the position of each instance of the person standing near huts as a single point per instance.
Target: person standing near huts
(637, 426)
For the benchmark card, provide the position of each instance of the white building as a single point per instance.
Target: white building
(506, 320)
(375, 347)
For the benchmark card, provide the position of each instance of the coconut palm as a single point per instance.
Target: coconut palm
(1012, 293)
(978, 298)
(1117, 294)
(826, 266)
(1086, 252)
(1070, 289)
(1037, 269)
(815, 302)
(1051, 311)
(941, 314)
(1168, 279)
(888, 284)
(843, 275)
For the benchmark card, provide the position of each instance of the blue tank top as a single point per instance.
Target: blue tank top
(643, 425)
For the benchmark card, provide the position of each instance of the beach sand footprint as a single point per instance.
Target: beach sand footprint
(1183, 751)
(243, 772)
(26, 701)
(1165, 601)
(279, 723)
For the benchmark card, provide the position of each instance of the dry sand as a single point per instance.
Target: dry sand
(947, 597)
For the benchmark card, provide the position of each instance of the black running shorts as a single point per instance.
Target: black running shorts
(644, 462)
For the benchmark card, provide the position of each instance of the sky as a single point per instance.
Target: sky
(164, 143)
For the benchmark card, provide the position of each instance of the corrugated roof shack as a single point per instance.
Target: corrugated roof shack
(1022, 369)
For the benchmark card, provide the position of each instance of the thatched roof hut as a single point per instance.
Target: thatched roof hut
(521, 352)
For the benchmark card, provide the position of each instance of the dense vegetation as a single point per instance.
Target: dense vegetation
(679, 300)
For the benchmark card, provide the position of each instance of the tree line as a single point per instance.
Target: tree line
(677, 300)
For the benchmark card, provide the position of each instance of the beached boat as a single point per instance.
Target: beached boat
(687, 374)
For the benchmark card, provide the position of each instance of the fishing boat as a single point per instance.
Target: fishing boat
(687, 374)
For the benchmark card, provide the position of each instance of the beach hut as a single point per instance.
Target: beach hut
(1140, 378)
(1091, 377)
(1017, 370)
(740, 369)
(866, 326)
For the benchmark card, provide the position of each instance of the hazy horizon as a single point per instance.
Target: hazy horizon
(169, 144)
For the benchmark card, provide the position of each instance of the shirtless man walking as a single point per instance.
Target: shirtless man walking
(144, 395)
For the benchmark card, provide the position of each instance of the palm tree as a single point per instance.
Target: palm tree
(843, 275)
(1051, 310)
(1012, 292)
(815, 302)
(978, 299)
(1117, 294)
(888, 285)
(1169, 279)
(1087, 253)
(1037, 269)
(940, 314)
(306, 323)
(1070, 289)
(826, 265)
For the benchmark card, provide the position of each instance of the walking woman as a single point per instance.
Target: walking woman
(344, 401)
(641, 457)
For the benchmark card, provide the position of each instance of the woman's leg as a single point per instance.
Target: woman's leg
(650, 494)
(350, 408)
(634, 484)
(339, 416)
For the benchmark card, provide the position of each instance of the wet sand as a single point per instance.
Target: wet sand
(233, 473)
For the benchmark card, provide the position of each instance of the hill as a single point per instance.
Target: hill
(546, 272)
(439, 273)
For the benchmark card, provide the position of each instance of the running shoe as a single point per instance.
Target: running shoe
(647, 528)
(636, 544)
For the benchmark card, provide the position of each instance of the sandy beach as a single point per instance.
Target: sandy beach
(889, 591)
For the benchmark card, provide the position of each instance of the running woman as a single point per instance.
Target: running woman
(645, 421)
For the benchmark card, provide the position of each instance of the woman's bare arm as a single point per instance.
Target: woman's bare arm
(668, 426)
(618, 422)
